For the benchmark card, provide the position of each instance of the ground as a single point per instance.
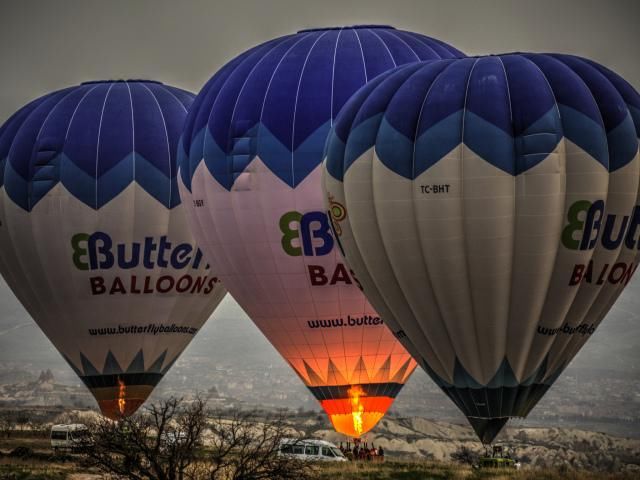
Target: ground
(41, 464)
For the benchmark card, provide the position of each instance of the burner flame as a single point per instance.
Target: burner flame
(122, 403)
(357, 409)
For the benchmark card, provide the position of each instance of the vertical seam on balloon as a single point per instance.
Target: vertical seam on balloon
(295, 106)
(39, 301)
(557, 247)
(29, 206)
(333, 72)
(264, 102)
(548, 349)
(273, 74)
(428, 41)
(166, 134)
(212, 107)
(395, 33)
(133, 166)
(513, 244)
(246, 80)
(571, 345)
(364, 63)
(557, 364)
(350, 374)
(133, 134)
(76, 109)
(422, 251)
(9, 272)
(384, 45)
(104, 104)
(364, 68)
(168, 90)
(615, 296)
(382, 240)
(174, 301)
(259, 125)
(466, 246)
(12, 143)
(364, 299)
(72, 91)
(333, 76)
(197, 218)
(293, 178)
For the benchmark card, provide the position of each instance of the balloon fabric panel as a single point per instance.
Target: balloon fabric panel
(94, 240)
(489, 204)
(250, 170)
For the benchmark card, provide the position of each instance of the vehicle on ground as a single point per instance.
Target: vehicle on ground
(69, 437)
(311, 449)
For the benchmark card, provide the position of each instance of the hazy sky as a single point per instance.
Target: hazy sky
(47, 45)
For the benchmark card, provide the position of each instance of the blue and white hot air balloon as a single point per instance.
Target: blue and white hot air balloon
(490, 206)
(93, 238)
(251, 179)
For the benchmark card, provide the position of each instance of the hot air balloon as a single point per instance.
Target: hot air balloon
(93, 238)
(250, 174)
(490, 206)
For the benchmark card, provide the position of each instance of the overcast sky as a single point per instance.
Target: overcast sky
(47, 45)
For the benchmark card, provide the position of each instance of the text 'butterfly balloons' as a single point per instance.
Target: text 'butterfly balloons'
(489, 207)
(251, 177)
(93, 238)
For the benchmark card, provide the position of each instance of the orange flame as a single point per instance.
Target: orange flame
(357, 409)
(122, 403)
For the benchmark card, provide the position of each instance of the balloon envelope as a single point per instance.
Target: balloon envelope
(93, 238)
(489, 205)
(251, 178)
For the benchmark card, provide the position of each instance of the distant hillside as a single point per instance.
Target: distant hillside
(600, 390)
(534, 447)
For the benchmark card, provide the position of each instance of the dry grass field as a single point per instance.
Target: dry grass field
(447, 471)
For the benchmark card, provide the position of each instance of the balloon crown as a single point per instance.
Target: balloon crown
(346, 27)
(122, 80)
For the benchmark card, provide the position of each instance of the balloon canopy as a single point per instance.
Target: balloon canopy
(250, 175)
(93, 238)
(489, 206)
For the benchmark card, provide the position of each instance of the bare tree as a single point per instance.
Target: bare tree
(245, 446)
(23, 419)
(177, 440)
(465, 455)
(161, 443)
(7, 422)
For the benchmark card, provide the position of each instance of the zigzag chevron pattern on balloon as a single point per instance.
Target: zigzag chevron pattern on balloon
(95, 156)
(504, 122)
(94, 239)
(250, 177)
(323, 67)
(490, 204)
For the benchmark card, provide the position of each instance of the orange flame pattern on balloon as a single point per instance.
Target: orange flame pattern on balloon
(356, 401)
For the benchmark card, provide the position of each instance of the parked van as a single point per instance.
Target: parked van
(314, 450)
(69, 437)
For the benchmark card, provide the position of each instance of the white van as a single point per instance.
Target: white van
(68, 437)
(315, 450)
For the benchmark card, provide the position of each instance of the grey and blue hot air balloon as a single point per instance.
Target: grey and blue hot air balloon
(489, 208)
(250, 175)
(93, 237)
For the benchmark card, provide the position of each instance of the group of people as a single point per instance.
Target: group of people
(362, 452)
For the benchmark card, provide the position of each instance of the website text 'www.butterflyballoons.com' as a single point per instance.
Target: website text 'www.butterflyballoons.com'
(350, 321)
(152, 328)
